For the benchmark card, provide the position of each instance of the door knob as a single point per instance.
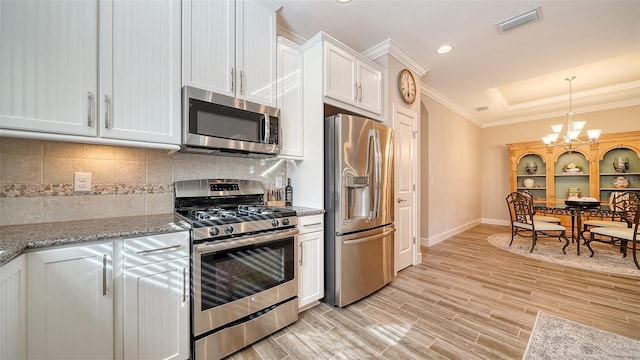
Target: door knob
(401, 200)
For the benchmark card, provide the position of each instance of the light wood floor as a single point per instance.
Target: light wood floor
(468, 299)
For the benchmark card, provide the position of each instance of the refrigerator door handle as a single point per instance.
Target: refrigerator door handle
(370, 170)
(369, 238)
(377, 174)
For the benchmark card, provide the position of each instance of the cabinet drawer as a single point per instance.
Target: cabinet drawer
(311, 223)
(154, 248)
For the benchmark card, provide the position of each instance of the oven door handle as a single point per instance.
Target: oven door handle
(243, 241)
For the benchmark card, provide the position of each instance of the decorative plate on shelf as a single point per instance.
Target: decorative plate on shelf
(572, 167)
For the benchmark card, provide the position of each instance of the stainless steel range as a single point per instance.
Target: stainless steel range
(244, 278)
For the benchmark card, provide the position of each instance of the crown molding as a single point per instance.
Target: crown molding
(578, 111)
(287, 34)
(393, 49)
(426, 90)
(498, 99)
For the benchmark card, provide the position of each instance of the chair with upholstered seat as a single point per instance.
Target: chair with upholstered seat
(522, 223)
(541, 217)
(619, 201)
(611, 235)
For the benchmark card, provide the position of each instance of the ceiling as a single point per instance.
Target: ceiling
(518, 75)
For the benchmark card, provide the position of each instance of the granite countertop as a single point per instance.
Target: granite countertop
(304, 211)
(15, 239)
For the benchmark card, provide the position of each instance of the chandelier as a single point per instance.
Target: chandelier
(570, 140)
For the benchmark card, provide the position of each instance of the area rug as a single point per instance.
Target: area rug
(553, 337)
(607, 258)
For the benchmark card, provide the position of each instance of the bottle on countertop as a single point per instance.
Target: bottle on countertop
(288, 193)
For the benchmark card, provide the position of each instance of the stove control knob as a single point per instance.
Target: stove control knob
(285, 222)
(275, 223)
(228, 230)
(214, 231)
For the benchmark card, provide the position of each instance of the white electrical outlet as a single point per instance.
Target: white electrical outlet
(278, 182)
(82, 181)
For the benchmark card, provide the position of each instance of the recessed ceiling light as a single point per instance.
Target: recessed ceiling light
(343, 1)
(444, 49)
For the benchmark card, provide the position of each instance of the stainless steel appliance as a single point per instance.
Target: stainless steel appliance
(359, 208)
(218, 124)
(244, 278)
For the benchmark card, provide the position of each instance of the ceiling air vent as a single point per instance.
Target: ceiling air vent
(482, 108)
(520, 19)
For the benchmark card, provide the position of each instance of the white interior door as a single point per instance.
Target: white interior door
(404, 125)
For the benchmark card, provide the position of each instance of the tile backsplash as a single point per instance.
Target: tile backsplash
(36, 179)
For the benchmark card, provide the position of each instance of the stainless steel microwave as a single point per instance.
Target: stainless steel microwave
(218, 124)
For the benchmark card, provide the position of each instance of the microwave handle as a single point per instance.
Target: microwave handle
(266, 129)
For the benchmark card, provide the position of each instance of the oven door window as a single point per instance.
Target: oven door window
(237, 273)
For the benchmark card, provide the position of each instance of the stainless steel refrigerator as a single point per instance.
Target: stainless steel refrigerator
(359, 208)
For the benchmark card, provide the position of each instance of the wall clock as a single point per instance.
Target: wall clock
(407, 86)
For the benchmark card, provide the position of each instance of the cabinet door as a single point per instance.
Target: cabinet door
(156, 310)
(209, 45)
(290, 101)
(311, 260)
(140, 70)
(340, 82)
(13, 309)
(48, 66)
(256, 53)
(369, 88)
(70, 303)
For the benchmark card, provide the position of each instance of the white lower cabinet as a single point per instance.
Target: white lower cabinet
(71, 294)
(156, 297)
(13, 309)
(70, 303)
(310, 260)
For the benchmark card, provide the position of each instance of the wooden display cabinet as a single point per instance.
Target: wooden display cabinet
(595, 179)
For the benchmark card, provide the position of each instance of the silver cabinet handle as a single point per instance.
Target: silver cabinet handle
(184, 284)
(401, 200)
(107, 111)
(241, 84)
(233, 80)
(301, 253)
(360, 88)
(104, 275)
(90, 109)
(314, 224)
(355, 86)
(164, 249)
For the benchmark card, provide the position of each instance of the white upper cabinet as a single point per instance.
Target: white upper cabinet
(140, 70)
(208, 32)
(351, 79)
(289, 99)
(230, 48)
(48, 66)
(49, 70)
(369, 88)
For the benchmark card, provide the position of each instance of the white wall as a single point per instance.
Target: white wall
(451, 175)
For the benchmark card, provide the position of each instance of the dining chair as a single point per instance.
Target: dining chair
(619, 203)
(522, 223)
(611, 235)
(541, 217)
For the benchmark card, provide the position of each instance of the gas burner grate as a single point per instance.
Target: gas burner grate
(255, 210)
(212, 214)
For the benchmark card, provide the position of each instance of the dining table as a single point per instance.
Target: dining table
(576, 212)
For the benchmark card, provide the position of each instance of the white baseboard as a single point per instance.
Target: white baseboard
(447, 234)
(495, 222)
